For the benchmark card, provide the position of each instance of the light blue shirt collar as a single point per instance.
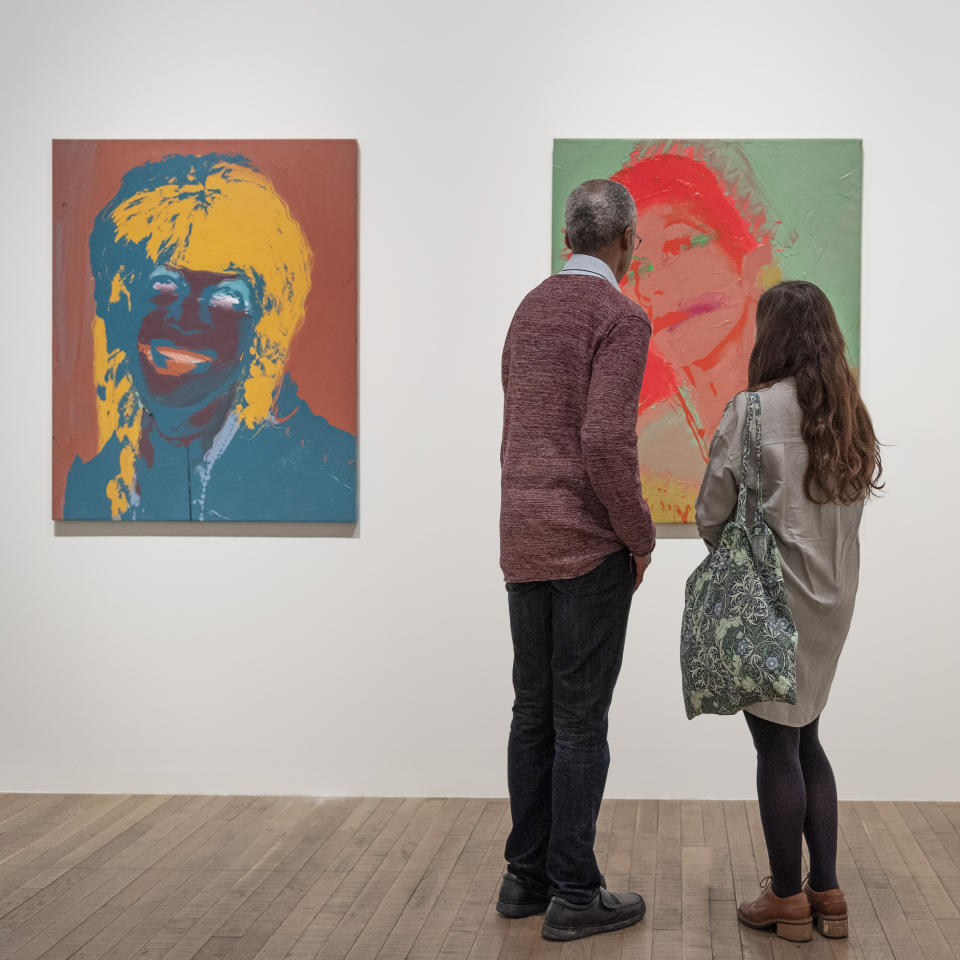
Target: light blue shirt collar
(584, 264)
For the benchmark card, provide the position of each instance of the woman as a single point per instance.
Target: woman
(820, 461)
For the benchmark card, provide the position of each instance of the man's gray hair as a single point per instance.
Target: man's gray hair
(598, 212)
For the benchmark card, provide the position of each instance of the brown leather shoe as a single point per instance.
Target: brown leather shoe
(790, 915)
(829, 909)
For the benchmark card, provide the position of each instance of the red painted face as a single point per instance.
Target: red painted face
(688, 285)
(699, 300)
(697, 274)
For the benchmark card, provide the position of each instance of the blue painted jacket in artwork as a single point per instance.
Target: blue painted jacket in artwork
(294, 467)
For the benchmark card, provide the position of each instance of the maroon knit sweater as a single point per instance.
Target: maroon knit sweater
(570, 492)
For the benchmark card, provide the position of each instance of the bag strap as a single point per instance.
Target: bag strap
(753, 416)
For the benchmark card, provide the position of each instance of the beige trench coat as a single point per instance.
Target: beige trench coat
(819, 543)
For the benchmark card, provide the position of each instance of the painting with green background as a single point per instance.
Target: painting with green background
(720, 221)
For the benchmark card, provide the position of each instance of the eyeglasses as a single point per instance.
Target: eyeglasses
(636, 242)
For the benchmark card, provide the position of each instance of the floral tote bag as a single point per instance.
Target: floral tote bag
(738, 641)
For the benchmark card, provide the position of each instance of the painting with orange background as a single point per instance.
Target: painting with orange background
(720, 221)
(204, 330)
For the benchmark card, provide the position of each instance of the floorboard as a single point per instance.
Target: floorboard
(283, 878)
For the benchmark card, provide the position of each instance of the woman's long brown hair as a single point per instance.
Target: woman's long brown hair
(798, 336)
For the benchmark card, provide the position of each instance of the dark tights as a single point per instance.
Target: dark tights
(798, 798)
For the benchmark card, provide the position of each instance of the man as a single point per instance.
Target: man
(576, 538)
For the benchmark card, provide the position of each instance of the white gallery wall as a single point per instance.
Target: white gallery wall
(380, 664)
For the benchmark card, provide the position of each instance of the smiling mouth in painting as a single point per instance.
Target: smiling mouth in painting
(170, 360)
(692, 308)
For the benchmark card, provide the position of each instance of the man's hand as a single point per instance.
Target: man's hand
(640, 565)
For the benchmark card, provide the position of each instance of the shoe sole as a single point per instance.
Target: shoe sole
(796, 931)
(551, 932)
(516, 911)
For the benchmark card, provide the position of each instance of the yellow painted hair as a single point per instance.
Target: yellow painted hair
(228, 220)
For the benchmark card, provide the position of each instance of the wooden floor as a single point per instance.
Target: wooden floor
(126, 877)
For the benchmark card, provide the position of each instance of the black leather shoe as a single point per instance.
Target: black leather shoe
(520, 897)
(607, 911)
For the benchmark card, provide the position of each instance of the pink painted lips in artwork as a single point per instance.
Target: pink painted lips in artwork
(170, 360)
(707, 303)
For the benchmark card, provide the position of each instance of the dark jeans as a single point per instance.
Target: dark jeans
(568, 638)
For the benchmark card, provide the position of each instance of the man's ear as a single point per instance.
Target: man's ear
(626, 241)
(566, 241)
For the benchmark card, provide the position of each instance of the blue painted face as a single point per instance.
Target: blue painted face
(188, 338)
